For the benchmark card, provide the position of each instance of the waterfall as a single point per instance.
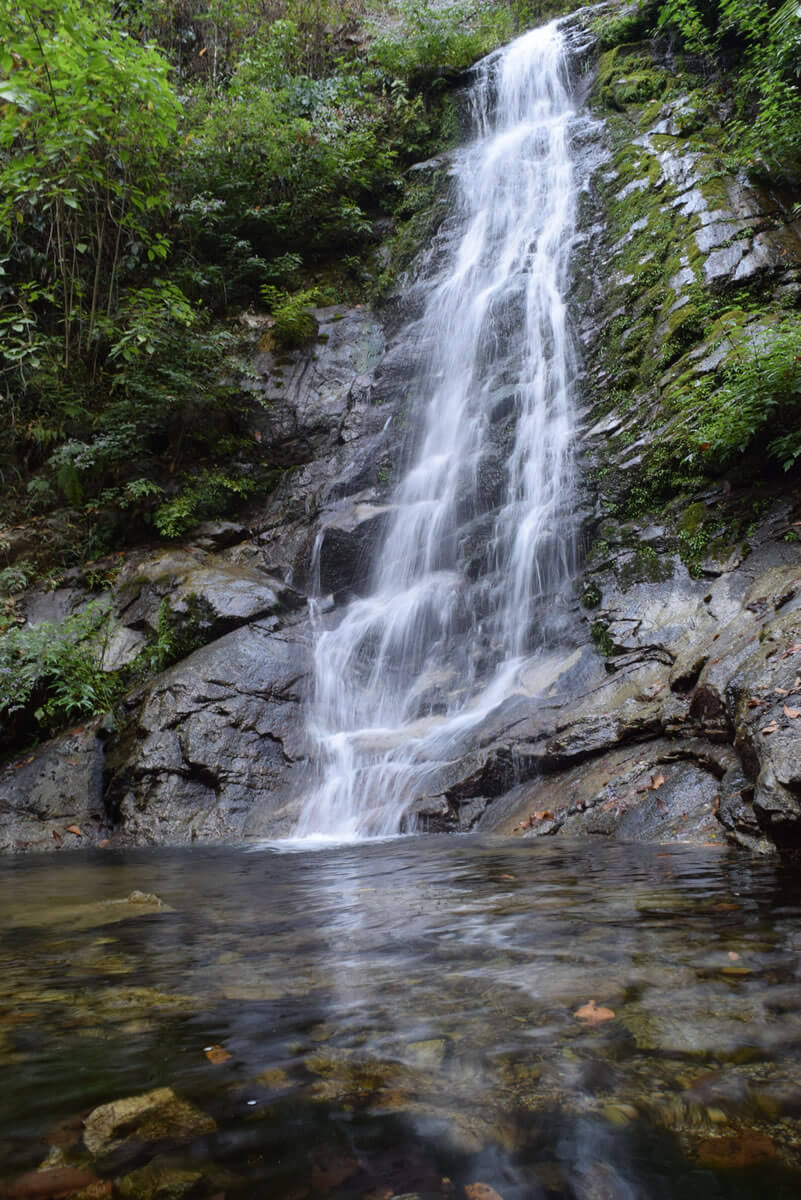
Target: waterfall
(478, 551)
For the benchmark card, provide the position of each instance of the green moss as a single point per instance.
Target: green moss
(692, 519)
(646, 566)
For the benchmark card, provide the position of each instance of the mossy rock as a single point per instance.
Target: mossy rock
(645, 566)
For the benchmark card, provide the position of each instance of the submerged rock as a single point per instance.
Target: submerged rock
(153, 1117)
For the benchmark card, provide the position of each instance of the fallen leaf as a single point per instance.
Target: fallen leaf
(544, 814)
(508, 877)
(481, 1191)
(654, 785)
(216, 1054)
(771, 728)
(102, 845)
(734, 956)
(76, 829)
(792, 713)
(57, 838)
(716, 805)
(756, 702)
(794, 649)
(594, 1014)
(779, 692)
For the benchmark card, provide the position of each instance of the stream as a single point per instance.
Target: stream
(413, 1016)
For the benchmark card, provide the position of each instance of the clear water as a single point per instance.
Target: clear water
(412, 668)
(402, 1014)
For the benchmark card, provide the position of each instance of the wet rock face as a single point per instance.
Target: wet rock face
(218, 737)
(53, 798)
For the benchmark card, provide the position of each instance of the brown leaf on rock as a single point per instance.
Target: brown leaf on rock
(76, 829)
(534, 818)
(771, 728)
(792, 713)
(757, 702)
(594, 1014)
(481, 1191)
(216, 1054)
(654, 785)
(791, 650)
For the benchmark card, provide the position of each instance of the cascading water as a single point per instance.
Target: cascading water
(479, 544)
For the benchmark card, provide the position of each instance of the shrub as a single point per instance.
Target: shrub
(209, 495)
(759, 400)
(50, 673)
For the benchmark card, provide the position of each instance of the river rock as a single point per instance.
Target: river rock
(149, 1118)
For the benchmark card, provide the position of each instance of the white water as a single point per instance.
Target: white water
(410, 670)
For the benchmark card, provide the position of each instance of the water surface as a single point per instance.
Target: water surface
(400, 1017)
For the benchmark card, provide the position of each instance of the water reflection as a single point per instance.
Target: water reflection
(390, 1016)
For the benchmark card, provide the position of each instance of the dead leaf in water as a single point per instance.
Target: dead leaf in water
(594, 1014)
(216, 1054)
(481, 1191)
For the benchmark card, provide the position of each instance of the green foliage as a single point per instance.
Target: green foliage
(602, 639)
(632, 26)
(758, 403)
(766, 35)
(293, 321)
(88, 116)
(50, 674)
(208, 495)
(434, 35)
(177, 635)
(16, 578)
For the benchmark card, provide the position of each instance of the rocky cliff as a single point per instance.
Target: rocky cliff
(670, 712)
